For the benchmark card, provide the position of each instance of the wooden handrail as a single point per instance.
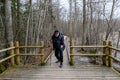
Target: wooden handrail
(7, 49)
(87, 55)
(114, 58)
(4, 59)
(29, 47)
(29, 54)
(51, 52)
(96, 46)
(113, 48)
(110, 56)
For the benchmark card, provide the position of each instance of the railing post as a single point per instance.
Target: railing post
(42, 52)
(12, 61)
(104, 58)
(110, 54)
(17, 53)
(71, 52)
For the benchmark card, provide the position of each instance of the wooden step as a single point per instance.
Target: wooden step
(63, 78)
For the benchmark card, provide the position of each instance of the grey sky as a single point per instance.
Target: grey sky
(65, 5)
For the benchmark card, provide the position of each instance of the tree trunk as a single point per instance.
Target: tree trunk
(8, 22)
(84, 21)
(110, 27)
(91, 22)
(18, 28)
(75, 19)
(70, 19)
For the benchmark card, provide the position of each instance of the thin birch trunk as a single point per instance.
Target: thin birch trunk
(8, 22)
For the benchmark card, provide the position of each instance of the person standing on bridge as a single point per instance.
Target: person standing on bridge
(58, 45)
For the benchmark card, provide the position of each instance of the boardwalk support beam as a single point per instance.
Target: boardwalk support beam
(42, 52)
(110, 54)
(71, 53)
(12, 54)
(104, 58)
(17, 53)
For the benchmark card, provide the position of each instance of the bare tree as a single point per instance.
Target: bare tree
(70, 18)
(110, 21)
(8, 22)
(84, 22)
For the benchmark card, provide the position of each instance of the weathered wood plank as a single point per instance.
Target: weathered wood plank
(87, 54)
(3, 50)
(96, 46)
(29, 47)
(6, 58)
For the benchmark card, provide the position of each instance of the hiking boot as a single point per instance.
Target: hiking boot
(61, 65)
(57, 61)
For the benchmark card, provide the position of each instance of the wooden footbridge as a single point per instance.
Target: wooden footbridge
(51, 71)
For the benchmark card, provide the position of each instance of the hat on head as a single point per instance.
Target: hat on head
(56, 31)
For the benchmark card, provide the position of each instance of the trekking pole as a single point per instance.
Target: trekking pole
(51, 52)
(50, 57)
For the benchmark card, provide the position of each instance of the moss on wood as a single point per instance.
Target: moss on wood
(2, 68)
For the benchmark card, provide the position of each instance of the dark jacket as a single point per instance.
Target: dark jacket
(58, 41)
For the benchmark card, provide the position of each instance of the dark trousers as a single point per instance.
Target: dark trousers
(59, 54)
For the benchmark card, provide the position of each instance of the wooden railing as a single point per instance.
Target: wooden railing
(107, 58)
(111, 58)
(14, 57)
(11, 56)
(27, 54)
(15, 53)
(72, 54)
